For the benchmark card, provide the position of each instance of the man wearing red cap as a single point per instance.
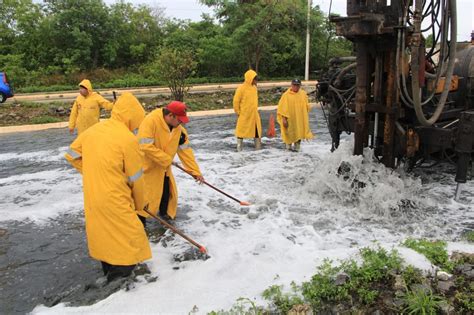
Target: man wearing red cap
(161, 135)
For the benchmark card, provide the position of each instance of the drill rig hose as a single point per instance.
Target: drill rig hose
(415, 64)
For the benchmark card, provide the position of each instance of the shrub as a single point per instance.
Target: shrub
(282, 301)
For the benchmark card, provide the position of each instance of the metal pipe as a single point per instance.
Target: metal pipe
(451, 123)
(342, 59)
(376, 129)
(308, 23)
(458, 191)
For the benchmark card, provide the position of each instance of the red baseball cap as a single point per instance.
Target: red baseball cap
(179, 109)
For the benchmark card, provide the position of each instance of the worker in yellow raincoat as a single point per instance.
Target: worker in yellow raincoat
(85, 111)
(109, 157)
(245, 104)
(161, 137)
(292, 115)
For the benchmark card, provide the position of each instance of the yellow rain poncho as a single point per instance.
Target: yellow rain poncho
(111, 163)
(85, 111)
(246, 107)
(295, 107)
(160, 145)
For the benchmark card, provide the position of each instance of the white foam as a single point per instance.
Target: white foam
(304, 213)
(41, 195)
(36, 156)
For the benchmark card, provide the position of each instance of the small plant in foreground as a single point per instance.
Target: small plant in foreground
(465, 301)
(244, 306)
(412, 275)
(282, 301)
(422, 302)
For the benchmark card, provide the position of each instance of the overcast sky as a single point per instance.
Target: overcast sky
(191, 9)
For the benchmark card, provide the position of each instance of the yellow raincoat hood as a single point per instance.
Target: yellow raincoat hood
(87, 84)
(128, 110)
(249, 76)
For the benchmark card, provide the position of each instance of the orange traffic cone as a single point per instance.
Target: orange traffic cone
(271, 127)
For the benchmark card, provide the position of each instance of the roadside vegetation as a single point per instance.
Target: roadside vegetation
(46, 46)
(24, 113)
(377, 282)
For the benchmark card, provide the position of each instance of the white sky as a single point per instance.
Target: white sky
(191, 9)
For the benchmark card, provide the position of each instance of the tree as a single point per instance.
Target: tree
(270, 34)
(138, 33)
(174, 67)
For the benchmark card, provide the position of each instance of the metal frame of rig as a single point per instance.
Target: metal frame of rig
(386, 92)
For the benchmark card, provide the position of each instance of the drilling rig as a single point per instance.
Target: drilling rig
(408, 100)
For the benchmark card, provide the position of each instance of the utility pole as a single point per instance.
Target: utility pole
(306, 66)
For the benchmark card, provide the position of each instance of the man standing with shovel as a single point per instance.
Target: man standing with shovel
(161, 137)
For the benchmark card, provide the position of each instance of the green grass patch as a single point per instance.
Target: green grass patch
(435, 251)
(283, 301)
(422, 302)
(412, 275)
(45, 119)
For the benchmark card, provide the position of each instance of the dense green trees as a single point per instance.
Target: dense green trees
(61, 41)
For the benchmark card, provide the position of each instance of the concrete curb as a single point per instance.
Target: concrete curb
(64, 124)
(71, 95)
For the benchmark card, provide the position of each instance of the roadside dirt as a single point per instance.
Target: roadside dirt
(27, 112)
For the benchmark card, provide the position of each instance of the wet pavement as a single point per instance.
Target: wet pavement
(43, 251)
(47, 263)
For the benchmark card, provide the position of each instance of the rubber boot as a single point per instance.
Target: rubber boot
(258, 143)
(297, 146)
(240, 142)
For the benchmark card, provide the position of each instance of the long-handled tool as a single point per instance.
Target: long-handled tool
(202, 249)
(242, 203)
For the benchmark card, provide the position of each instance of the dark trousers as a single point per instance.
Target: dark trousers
(142, 220)
(165, 197)
(113, 272)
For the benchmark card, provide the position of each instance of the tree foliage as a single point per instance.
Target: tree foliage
(62, 41)
(174, 67)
